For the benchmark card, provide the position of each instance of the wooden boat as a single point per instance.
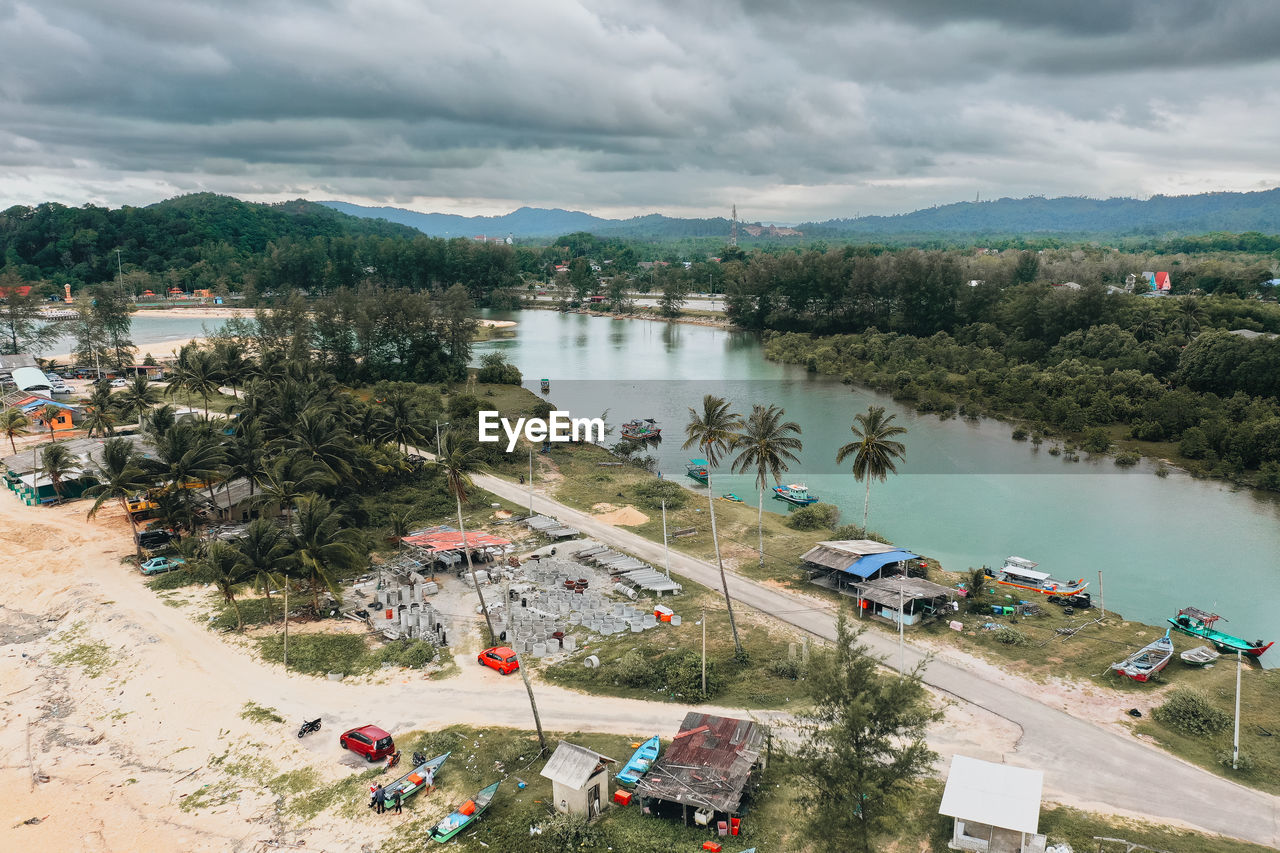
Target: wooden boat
(416, 779)
(467, 814)
(731, 497)
(1143, 664)
(646, 429)
(697, 469)
(1199, 656)
(1021, 573)
(796, 494)
(1197, 623)
(641, 760)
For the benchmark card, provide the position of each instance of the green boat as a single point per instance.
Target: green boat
(731, 497)
(467, 814)
(416, 779)
(697, 469)
(1197, 623)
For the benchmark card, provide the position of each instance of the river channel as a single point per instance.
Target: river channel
(967, 494)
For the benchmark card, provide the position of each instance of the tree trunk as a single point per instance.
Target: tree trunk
(537, 720)
(286, 623)
(724, 581)
(493, 638)
(760, 525)
(239, 621)
(866, 505)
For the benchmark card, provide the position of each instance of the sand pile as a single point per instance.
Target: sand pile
(627, 516)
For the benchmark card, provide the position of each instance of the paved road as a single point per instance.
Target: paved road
(1082, 762)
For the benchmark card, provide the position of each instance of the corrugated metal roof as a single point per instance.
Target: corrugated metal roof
(886, 590)
(840, 554)
(573, 765)
(707, 764)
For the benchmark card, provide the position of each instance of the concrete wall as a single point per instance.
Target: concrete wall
(574, 801)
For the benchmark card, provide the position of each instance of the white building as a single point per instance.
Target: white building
(996, 807)
(579, 779)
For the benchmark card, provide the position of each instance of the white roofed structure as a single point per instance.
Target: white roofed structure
(996, 807)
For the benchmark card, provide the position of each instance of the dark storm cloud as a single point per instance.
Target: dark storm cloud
(795, 110)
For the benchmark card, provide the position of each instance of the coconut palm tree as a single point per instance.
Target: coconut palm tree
(287, 478)
(322, 548)
(160, 420)
(874, 450)
(49, 413)
(99, 420)
(767, 445)
(56, 462)
(315, 435)
(14, 423)
(399, 421)
(265, 551)
(714, 431)
(459, 462)
(233, 363)
(246, 456)
(1191, 315)
(137, 397)
(223, 566)
(197, 371)
(120, 476)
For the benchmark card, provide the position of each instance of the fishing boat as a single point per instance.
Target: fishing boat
(645, 429)
(731, 497)
(1021, 573)
(697, 469)
(641, 760)
(546, 386)
(416, 779)
(467, 814)
(1143, 664)
(1199, 656)
(1197, 623)
(796, 494)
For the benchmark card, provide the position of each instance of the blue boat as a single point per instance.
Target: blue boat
(697, 469)
(796, 494)
(639, 764)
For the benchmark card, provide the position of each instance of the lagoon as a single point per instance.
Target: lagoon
(966, 495)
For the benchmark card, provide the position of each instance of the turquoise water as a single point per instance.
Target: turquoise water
(151, 333)
(966, 495)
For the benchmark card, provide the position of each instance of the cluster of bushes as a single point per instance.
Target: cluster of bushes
(813, 517)
(678, 672)
(651, 493)
(1190, 711)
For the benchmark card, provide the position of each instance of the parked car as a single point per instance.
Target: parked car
(370, 741)
(154, 538)
(60, 388)
(119, 383)
(501, 658)
(158, 565)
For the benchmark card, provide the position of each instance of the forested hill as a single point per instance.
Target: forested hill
(1187, 214)
(53, 241)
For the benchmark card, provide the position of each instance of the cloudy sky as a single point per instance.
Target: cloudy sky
(793, 109)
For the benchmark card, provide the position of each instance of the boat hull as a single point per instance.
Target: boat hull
(406, 787)
(1225, 643)
(640, 762)
(1155, 656)
(1062, 589)
(449, 827)
(794, 501)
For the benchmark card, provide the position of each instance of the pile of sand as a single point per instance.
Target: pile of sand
(627, 516)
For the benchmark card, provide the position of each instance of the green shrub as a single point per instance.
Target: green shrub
(651, 494)
(319, 654)
(682, 672)
(1244, 763)
(634, 670)
(410, 653)
(1190, 712)
(787, 668)
(1128, 458)
(813, 517)
(1019, 434)
(1011, 637)
(1096, 440)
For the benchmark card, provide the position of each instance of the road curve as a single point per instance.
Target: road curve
(1082, 762)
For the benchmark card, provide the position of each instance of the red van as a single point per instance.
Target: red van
(370, 741)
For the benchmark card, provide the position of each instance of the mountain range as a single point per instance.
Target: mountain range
(1068, 216)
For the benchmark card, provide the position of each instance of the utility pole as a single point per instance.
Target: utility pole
(446, 423)
(1235, 743)
(902, 659)
(704, 653)
(530, 480)
(666, 545)
(119, 269)
(1102, 601)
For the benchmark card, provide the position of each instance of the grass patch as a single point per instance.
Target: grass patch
(253, 611)
(1079, 829)
(260, 713)
(350, 654)
(95, 658)
(176, 579)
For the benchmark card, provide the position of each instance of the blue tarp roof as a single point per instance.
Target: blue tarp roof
(870, 564)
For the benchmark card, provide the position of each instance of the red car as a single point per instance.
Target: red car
(501, 658)
(370, 741)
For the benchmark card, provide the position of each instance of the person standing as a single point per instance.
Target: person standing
(395, 801)
(380, 800)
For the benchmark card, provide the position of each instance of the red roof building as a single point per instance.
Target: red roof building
(452, 540)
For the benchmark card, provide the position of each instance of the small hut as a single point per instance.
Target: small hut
(579, 779)
(996, 807)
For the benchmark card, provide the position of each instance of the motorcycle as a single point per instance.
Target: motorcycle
(393, 760)
(309, 726)
(419, 759)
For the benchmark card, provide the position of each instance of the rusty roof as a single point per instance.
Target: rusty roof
(707, 764)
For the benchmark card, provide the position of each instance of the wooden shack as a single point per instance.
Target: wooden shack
(579, 779)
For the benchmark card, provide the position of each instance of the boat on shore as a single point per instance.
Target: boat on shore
(796, 494)
(1145, 663)
(731, 497)
(641, 760)
(1199, 656)
(1198, 623)
(697, 469)
(467, 814)
(415, 780)
(641, 429)
(1021, 573)
(546, 386)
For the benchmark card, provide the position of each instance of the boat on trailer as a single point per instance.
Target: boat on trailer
(796, 494)
(641, 429)
(697, 469)
(1199, 656)
(1021, 573)
(415, 780)
(1145, 663)
(1197, 623)
(641, 760)
(467, 814)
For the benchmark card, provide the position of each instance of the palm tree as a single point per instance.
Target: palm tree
(265, 551)
(315, 434)
(120, 476)
(232, 362)
(459, 462)
(160, 420)
(14, 423)
(223, 566)
(56, 462)
(714, 431)
(197, 371)
(398, 421)
(1190, 315)
(50, 413)
(138, 396)
(768, 446)
(289, 477)
(322, 548)
(246, 456)
(873, 450)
